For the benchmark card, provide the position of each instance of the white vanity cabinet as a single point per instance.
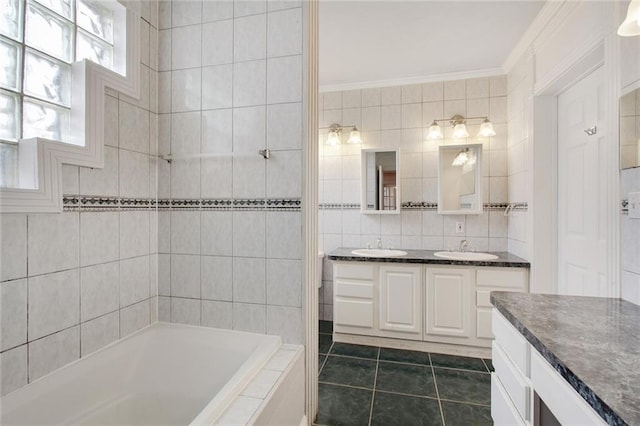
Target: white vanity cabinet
(374, 299)
(526, 389)
(400, 301)
(423, 303)
(354, 287)
(448, 303)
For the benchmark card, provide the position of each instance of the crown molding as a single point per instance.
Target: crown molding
(463, 75)
(40, 160)
(544, 21)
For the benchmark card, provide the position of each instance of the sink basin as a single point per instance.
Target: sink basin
(467, 255)
(378, 252)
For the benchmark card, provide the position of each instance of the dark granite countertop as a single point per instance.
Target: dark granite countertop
(427, 256)
(593, 342)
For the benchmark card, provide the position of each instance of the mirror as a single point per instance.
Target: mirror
(380, 183)
(460, 179)
(630, 130)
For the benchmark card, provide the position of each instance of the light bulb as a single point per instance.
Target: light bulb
(435, 131)
(333, 139)
(354, 136)
(486, 129)
(460, 131)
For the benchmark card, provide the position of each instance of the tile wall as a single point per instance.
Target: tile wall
(74, 282)
(519, 158)
(230, 239)
(398, 117)
(630, 230)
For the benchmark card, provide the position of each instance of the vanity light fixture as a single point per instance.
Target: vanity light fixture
(461, 158)
(631, 25)
(335, 131)
(458, 123)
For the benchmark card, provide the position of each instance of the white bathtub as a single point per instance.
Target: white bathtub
(166, 374)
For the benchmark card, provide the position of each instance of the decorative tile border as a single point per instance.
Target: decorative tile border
(422, 205)
(78, 203)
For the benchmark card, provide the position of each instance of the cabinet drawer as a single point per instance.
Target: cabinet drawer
(353, 288)
(356, 271)
(502, 410)
(353, 312)
(513, 381)
(483, 323)
(511, 341)
(502, 278)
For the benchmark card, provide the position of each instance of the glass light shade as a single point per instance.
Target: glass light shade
(631, 25)
(354, 136)
(460, 131)
(333, 139)
(486, 129)
(435, 131)
(461, 159)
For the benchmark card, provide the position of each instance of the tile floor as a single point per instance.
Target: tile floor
(366, 385)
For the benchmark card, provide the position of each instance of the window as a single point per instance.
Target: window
(38, 42)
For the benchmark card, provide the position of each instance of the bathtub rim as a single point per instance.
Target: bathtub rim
(223, 398)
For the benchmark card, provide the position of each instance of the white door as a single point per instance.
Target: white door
(401, 301)
(448, 296)
(582, 233)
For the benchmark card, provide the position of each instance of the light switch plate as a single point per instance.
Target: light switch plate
(634, 205)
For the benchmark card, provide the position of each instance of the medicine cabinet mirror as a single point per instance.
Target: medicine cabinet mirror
(380, 181)
(630, 130)
(460, 179)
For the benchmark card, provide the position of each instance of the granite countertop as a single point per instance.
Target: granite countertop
(427, 256)
(593, 342)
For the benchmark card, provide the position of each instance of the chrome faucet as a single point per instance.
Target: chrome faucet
(463, 246)
(379, 243)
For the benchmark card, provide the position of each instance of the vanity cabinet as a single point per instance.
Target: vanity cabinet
(400, 301)
(526, 389)
(441, 304)
(354, 294)
(447, 302)
(378, 300)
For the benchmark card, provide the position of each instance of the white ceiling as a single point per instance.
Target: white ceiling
(378, 42)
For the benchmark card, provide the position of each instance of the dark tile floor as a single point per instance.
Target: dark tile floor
(366, 385)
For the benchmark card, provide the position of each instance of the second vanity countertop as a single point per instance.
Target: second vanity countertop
(427, 257)
(592, 342)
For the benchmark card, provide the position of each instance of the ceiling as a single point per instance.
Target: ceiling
(376, 42)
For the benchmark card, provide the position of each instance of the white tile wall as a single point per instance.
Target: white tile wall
(398, 117)
(77, 269)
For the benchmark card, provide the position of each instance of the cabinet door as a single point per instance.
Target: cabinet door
(400, 301)
(448, 307)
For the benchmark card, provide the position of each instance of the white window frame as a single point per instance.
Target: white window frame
(40, 160)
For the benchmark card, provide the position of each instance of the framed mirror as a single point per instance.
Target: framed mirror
(630, 130)
(380, 181)
(460, 179)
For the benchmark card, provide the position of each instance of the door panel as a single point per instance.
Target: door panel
(448, 302)
(400, 299)
(582, 244)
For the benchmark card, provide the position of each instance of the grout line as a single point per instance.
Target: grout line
(345, 386)
(435, 384)
(408, 394)
(465, 370)
(373, 393)
(486, 365)
(465, 402)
